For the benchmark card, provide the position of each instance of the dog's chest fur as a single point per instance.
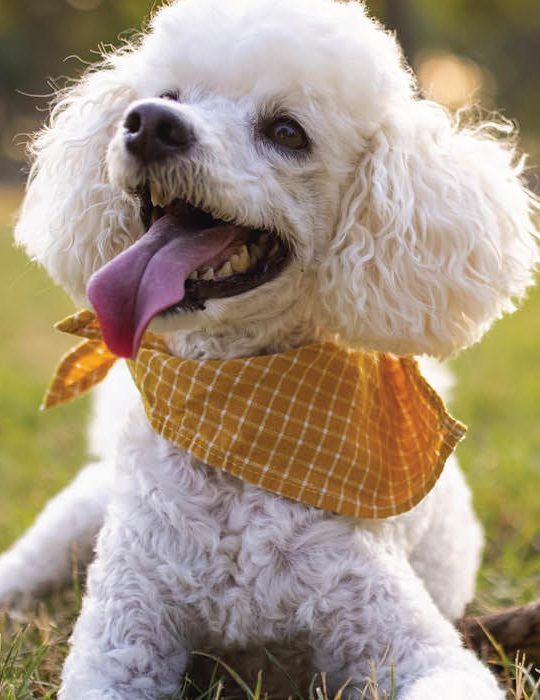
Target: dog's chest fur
(223, 544)
(242, 570)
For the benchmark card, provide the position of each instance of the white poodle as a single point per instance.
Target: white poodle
(387, 224)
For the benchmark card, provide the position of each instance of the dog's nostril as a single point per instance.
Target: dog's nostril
(171, 133)
(153, 131)
(133, 122)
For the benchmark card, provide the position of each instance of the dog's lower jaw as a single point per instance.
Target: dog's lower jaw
(247, 341)
(273, 326)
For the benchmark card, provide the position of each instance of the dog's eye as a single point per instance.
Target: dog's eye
(170, 95)
(286, 133)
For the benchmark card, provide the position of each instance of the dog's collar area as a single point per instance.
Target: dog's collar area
(254, 257)
(363, 434)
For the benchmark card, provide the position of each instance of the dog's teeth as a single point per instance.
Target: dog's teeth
(225, 271)
(155, 196)
(194, 275)
(255, 251)
(209, 274)
(244, 258)
(240, 262)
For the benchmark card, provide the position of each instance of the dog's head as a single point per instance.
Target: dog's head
(272, 160)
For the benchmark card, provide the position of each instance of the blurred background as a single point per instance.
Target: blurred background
(485, 51)
(482, 51)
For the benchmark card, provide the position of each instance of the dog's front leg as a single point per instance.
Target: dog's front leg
(128, 643)
(42, 559)
(378, 621)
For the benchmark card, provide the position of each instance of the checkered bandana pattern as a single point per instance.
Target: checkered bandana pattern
(357, 433)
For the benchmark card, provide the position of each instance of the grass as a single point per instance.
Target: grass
(38, 452)
(498, 395)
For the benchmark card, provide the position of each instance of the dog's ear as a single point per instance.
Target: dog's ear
(436, 238)
(70, 211)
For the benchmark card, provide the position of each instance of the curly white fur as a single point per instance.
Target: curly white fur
(410, 234)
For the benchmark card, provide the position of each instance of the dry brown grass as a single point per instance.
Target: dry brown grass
(32, 651)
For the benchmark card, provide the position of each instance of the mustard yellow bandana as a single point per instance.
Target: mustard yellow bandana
(361, 434)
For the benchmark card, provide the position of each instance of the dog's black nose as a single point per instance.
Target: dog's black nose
(153, 131)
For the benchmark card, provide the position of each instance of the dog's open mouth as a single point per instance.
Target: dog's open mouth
(185, 257)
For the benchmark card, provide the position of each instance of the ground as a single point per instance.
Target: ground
(497, 395)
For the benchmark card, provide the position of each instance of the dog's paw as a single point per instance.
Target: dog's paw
(75, 694)
(447, 685)
(16, 593)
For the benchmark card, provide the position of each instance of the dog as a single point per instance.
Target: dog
(398, 230)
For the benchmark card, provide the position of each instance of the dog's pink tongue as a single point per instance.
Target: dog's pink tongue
(149, 277)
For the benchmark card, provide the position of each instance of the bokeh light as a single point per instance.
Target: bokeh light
(453, 80)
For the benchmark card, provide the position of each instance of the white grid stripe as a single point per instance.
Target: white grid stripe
(303, 426)
(329, 414)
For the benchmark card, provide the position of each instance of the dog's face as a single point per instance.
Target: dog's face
(241, 136)
(270, 159)
(238, 195)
